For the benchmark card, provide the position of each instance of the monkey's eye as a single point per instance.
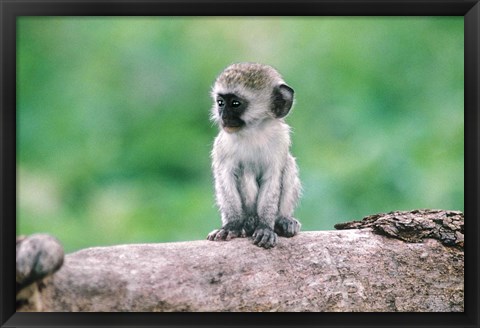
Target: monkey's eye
(220, 102)
(235, 103)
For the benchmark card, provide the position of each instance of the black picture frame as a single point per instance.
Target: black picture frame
(10, 10)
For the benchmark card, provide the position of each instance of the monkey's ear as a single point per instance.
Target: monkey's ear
(282, 100)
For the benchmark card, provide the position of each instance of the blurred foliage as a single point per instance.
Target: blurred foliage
(114, 136)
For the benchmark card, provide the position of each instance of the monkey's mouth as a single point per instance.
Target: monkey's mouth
(232, 127)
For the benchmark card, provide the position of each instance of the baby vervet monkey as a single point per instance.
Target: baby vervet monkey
(256, 178)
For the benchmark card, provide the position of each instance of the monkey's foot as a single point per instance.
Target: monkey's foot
(264, 237)
(225, 234)
(287, 226)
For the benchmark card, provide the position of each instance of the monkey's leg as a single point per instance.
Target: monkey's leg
(285, 224)
(248, 188)
(267, 210)
(230, 205)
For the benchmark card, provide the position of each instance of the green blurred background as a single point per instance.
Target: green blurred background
(114, 136)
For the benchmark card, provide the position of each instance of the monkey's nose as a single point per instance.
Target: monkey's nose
(225, 115)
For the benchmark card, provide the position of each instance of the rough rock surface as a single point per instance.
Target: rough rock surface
(414, 226)
(347, 270)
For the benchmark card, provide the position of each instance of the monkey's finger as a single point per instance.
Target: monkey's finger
(218, 234)
(221, 235)
(243, 233)
(273, 239)
(264, 241)
(257, 236)
(271, 242)
(211, 235)
(291, 228)
(231, 235)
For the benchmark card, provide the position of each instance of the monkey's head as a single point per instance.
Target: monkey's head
(246, 94)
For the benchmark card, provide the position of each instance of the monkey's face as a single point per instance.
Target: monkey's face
(246, 94)
(230, 108)
(235, 110)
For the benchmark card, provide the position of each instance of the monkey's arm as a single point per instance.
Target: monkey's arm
(229, 202)
(286, 225)
(267, 208)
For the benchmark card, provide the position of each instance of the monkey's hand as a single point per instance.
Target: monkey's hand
(264, 237)
(287, 226)
(227, 232)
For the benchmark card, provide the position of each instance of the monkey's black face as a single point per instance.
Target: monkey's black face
(230, 108)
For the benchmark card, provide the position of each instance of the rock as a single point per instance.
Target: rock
(347, 270)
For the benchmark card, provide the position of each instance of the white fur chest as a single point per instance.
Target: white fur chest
(259, 148)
